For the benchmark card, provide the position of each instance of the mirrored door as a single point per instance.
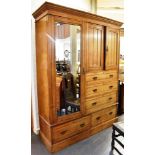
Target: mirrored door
(67, 58)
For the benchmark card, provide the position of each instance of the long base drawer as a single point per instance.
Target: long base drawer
(71, 128)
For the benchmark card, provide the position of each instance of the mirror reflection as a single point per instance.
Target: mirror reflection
(67, 52)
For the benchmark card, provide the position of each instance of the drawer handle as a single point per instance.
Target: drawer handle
(82, 125)
(110, 113)
(93, 104)
(63, 132)
(111, 76)
(110, 98)
(98, 118)
(95, 90)
(110, 87)
(95, 78)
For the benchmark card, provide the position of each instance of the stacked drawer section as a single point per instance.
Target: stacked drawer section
(101, 90)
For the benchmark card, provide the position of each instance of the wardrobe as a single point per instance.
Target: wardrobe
(77, 56)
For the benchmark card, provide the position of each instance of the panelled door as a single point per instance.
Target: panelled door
(95, 47)
(112, 48)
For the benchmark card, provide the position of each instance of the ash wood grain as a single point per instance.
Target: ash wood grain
(104, 115)
(47, 6)
(71, 128)
(98, 75)
(112, 48)
(94, 47)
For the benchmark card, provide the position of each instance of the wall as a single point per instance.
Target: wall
(113, 9)
(79, 4)
(84, 5)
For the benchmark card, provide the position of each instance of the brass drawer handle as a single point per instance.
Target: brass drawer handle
(63, 132)
(95, 90)
(95, 78)
(110, 98)
(98, 118)
(110, 87)
(110, 113)
(111, 76)
(93, 104)
(82, 125)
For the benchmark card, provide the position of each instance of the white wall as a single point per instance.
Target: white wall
(79, 4)
(113, 9)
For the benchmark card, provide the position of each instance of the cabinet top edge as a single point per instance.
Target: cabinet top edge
(47, 6)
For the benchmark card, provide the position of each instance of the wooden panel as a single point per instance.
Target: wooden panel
(69, 129)
(42, 68)
(112, 48)
(104, 115)
(45, 128)
(94, 47)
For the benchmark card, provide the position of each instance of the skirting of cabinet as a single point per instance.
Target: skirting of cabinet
(47, 143)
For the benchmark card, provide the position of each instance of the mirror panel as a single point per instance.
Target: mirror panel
(67, 55)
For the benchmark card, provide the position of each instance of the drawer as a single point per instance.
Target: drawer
(101, 101)
(94, 77)
(109, 87)
(104, 115)
(71, 128)
(110, 75)
(94, 90)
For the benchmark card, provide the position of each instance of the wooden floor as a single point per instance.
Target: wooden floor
(98, 144)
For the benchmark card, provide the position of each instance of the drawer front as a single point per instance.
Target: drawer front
(110, 75)
(101, 101)
(109, 87)
(92, 78)
(104, 115)
(69, 129)
(93, 91)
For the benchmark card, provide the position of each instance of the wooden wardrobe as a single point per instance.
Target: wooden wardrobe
(83, 41)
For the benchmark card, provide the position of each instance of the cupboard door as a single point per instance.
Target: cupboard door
(94, 47)
(112, 49)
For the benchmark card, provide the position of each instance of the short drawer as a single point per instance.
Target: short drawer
(109, 87)
(101, 101)
(71, 128)
(110, 75)
(104, 115)
(94, 90)
(94, 77)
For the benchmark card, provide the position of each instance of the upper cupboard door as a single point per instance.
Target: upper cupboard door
(95, 44)
(112, 49)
